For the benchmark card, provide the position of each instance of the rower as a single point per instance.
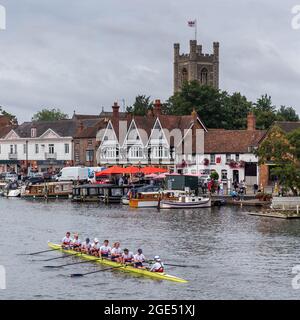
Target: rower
(76, 242)
(66, 241)
(127, 256)
(105, 249)
(157, 266)
(116, 252)
(95, 247)
(138, 259)
(86, 246)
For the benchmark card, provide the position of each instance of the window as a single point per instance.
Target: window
(24, 148)
(36, 148)
(135, 152)
(77, 158)
(67, 148)
(228, 157)
(204, 76)
(89, 156)
(224, 174)
(90, 142)
(184, 75)
(33, 132)
(237, 157)
(110, 153)
(212, 159)
(51, 148)
(13, 149)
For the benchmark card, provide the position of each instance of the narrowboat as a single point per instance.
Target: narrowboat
(48, 190)
(107, 193)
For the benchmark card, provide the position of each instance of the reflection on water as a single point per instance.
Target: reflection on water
(239, 256)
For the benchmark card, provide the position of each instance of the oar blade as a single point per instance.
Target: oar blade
(53, 267)
(73, 275)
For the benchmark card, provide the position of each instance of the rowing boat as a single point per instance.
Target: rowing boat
(125, 268)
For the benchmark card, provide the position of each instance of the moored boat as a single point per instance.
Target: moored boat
(152, 199)
(48, 190)
(125, 268)
(185, 202)
(12, 190)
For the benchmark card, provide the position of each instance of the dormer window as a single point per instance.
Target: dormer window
(33, 132)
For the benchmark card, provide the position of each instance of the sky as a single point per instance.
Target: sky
(84, 55)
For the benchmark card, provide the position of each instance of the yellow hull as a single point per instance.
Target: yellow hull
(146, 273)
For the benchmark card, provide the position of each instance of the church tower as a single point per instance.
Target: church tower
(196, 66)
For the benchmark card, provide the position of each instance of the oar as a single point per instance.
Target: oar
(71, 264)
(84, 274)
(176, 265)
(62, 257)
(34, 253)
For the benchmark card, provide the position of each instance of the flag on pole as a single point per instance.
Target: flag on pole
(192, 23)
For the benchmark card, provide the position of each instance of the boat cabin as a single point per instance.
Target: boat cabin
(48, 190)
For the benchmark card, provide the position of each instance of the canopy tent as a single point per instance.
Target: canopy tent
(149, 170)
(131, 170)
(111, 170)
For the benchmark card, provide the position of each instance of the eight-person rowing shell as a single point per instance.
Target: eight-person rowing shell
(106, 252)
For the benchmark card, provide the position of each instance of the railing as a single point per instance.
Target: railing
(49, 156)
(12, 156)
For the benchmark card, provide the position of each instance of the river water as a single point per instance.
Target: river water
(239, 256)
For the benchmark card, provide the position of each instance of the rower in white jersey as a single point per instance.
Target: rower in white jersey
(95, 248)
(116, 252)
(76, 242)
(157, 266)
(105, 249)
(66, 241)
(127, 256)
(86, 246)
(138, 259)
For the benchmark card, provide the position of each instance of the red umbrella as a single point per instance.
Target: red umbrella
(131, 170)
(149, 170)
(111, 170)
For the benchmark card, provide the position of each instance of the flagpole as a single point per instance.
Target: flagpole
(196, 29)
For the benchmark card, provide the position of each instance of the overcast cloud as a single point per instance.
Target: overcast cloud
(83, 55)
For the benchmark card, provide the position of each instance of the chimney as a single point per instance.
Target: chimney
(116, 118)
(194, 115)
(251, 121)
(81, 126)
(157, 108)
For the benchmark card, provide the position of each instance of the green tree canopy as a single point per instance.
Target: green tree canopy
(264, 111)
(141, 106)
(49, 115)
(13, 119)
(286, 114)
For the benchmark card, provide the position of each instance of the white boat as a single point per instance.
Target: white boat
(152, 199)
(185, 202)
(12, 190)
(125, 200)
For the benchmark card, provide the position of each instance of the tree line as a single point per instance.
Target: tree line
(216, 108)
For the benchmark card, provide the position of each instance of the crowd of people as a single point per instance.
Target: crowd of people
(115, 253)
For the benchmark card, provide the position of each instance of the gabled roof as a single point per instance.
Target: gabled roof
(231, 141)
(91, 130)
(64, 128)
(287, 126)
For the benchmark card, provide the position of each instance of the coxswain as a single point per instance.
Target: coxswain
(138, 259)
(116, 252)
(86, 246)
(157, 266)
(95, 248)
(105, 249)
(76, 242)
(66, 241)
(127, 256)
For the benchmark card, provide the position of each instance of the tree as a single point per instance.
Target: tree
(13, 119)
(141, 106)
(286, 114)
(49, 115)
(264, 111)
(207, 101)
(279, 150)
(236, 110)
